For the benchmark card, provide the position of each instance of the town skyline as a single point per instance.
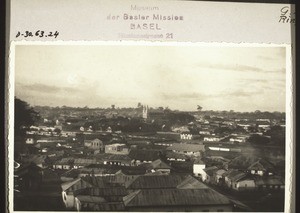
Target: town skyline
(243, 79)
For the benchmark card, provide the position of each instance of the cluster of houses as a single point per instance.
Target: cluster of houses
(142, 192)
(257, 175)
(168, 171)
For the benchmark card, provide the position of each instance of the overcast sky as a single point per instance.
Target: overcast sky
(217, 78)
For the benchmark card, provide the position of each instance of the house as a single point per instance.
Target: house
(204, 132)
(187, 149)
(64, 163)
(213, 138)
(82, 162)
(174, 156)
(30, 141)
(239, 138)
(261, 167)
(165, 143)
(208, 174)
(181, 200)
(112, 159)
(219, 177)
(186, 136)
(176, 199)
(140, 156)
(96, 203)
(129, 173)
(159, 166)
(269, 183)
(198, 167)
(94, 170)
(100, 187)
(95, 144)
(155, 182)
(239, 181)
(117, 148)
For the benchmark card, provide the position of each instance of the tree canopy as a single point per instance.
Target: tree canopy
(24, 115)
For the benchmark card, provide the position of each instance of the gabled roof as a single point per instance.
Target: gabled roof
(175, 197)
(155, 181)
(261, 164)
(96, 181)
(235, 175)
(159, 164)
(67, 185)
(243, 161)
(84, 161)
(191, 183)
(112, 157)
(93, 203)
(90, 199)
(69, 160)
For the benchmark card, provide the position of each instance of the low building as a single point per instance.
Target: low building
(186, 136)
(113, 159)
(187, 149)
(173, 156)
(82, 162)
(117, 148)
(239, 181)
(208, 174)
(198, 167)
(159, 166)
(64, 163)
(95, 144)
(213, 138)
(100, 187)
(30, 141)
(269, 183)
(140, 156)
(261, 167)
(239, 138)
(164, 193)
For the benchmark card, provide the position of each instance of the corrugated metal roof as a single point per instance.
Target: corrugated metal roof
(175, 197)
(191, 183)
(235, 175)
(159, 164)
(155, 181)
(67, 185)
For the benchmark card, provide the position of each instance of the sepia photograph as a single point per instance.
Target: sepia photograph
(149, 127)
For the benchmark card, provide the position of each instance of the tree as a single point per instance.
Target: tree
(24, 116)
(199, 108)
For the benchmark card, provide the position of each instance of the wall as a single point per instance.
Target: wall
(68, 200)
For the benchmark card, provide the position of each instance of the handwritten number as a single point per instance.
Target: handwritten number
(38, 33)
(56, 34)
